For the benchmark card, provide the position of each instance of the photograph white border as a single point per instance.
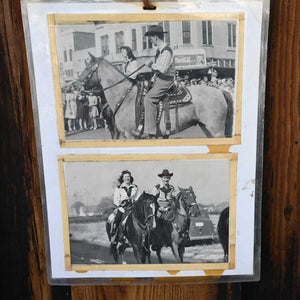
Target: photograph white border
(39, 60)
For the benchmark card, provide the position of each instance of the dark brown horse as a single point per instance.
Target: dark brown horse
(170, 232)
(223, 231)
(210, 108)
(140, 221)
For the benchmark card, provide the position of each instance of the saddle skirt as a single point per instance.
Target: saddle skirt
(177, 95)
(174, 98)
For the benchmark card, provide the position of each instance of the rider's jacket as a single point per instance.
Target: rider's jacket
(129, 66)
(163, 64)
(125, 192)
(165, 194)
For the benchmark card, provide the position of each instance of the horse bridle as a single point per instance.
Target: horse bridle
(95, 68)
(187, 206)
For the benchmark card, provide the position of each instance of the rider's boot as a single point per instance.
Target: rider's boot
(116, 222)
(138, 132)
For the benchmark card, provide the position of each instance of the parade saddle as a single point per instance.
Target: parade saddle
(174, 98)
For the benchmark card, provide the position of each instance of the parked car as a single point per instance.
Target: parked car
(202, 230)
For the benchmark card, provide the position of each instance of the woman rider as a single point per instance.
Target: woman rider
(125, 194)
(130, 63)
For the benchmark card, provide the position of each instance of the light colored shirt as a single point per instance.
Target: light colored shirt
(126, 192)
(92, 100)
(130, 66)
(165, 192)
(164, 61)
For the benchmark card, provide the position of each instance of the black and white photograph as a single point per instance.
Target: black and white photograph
(154, 211)
(148, 80)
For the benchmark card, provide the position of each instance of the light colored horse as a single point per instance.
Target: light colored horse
(210, 108)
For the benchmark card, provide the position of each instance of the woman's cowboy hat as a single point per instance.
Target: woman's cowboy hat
(154, 29)
(165, 172)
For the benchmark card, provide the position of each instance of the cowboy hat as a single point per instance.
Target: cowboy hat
(165, 172)
(154, 29)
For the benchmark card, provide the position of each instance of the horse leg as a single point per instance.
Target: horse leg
(158, 255)
(175, 245)
(122, 249)
(181, 251)
(212, 110)
(143, 257)
(225, 257)
(136, 253)
(205, 130)
(128, 135)
(113, 250)
(115, 133)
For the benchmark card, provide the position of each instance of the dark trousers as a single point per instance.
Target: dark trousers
(155, 94)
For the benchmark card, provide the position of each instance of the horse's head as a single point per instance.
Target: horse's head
(189, 202)
(89, 78)
(146, 210)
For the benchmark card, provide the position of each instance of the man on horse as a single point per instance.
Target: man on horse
(164, 72)
(125, 194)
(165, 193)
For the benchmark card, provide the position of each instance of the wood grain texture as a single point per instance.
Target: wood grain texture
(23, 267)
(280, 274)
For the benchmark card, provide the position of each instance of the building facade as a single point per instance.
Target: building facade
(74, 42)
(197, 45)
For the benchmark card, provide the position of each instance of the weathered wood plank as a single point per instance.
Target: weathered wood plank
(23, 265)
(281, 212)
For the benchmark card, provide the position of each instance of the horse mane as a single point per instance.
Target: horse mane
(138, 206)
(177, 198)
(114, 67)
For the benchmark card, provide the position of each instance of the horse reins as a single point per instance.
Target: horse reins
(188, 206)
(96, 67)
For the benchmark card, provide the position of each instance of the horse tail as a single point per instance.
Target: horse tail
(229, 117)
(223, 229)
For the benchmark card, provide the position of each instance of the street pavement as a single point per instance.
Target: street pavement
(104, 134)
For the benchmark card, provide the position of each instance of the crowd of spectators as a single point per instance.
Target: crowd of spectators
(82, 110)
(211, 79)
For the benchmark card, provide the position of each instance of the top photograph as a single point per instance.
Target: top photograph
(125, 81)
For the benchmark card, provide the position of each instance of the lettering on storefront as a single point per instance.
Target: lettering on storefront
(190, 60)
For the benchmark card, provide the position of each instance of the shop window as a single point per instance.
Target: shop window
(231, 35)
(186, 32)
(207, 32)
(104, 45)
(119, 39)
(134, 42)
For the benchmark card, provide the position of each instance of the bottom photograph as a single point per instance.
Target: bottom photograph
(157, 210)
